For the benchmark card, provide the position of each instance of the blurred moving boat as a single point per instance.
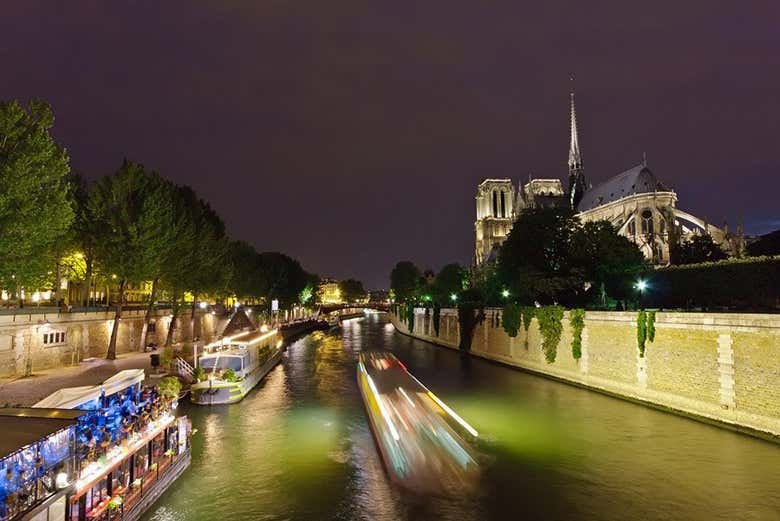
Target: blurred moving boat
(234, 365)
(418, 435)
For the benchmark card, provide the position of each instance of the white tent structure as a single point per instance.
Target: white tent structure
(76, 397)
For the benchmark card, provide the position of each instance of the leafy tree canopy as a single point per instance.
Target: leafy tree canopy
(351, 290)
(700, 248)
(768, 244)
(35, 206)
(405, 281)
(449, 281)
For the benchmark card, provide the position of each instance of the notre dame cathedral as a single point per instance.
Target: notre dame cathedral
(636, 202)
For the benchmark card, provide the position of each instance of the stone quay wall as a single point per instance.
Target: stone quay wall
(50, 340)
(718, 367)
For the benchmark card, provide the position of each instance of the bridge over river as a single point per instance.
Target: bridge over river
(299, 448)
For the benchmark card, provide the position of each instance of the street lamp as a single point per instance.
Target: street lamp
(505, 293)
(454, 297)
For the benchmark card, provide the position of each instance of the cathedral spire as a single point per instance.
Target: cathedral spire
(575, 159)
(577, 183)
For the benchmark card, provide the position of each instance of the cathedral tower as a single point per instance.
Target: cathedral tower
(576, 176)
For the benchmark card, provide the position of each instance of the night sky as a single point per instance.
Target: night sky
(352, 133)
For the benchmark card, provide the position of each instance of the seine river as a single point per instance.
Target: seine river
(299, 448)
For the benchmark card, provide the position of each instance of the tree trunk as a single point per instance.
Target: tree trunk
(88, 283)
(148, 316)
(58, 284)
(172, 326)
(111, 355)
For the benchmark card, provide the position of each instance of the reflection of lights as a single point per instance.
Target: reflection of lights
(382, 407)
(264, 328)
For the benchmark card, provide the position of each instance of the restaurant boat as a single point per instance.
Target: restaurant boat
(234, 365)
(104, 452)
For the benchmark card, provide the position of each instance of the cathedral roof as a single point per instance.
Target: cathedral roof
(636, 180)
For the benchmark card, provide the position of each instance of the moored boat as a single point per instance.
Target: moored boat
(233, 366)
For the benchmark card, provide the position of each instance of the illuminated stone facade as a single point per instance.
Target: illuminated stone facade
(635, 201)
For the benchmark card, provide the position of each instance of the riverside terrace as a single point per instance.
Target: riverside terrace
(123, 448)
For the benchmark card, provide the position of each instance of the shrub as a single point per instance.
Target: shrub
(229, 375)
(650, 326)
(199, 374)
(436, 318)
(169, 387)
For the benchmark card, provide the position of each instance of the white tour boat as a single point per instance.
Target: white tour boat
(232, 366)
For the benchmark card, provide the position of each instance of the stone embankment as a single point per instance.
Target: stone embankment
(41, 341)
(716, 367)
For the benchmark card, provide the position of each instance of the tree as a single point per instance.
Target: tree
(405, 281)
(35, 207)
(449, 281)
(129, 209)
(535, 262)
(768, 244)
(609, 262)
(700, 248)
(351, 290)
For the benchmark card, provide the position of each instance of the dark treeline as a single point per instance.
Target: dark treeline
(129, 228)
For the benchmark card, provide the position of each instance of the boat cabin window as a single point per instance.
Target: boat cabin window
(220, 363)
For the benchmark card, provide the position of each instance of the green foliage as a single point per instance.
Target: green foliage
(641, 332)
(549, 256)
(405, 281)
(528, 313)
(410, 316)
(436, 318)
(747, 283)
(651, 326)
(768, 244)
(577, 324)
(229, 375)
(352, 290)
(169, 387)
(511, 319)
(166, 357)
(700, 248)
(470, 314)
(200, 374)
(449, 281)
(550, 319)
(35, 204)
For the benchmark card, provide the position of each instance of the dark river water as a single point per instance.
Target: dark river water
(299, 448)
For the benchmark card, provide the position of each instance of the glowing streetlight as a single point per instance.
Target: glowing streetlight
(641, 285)
(505, 293)
(454, 297)
(203, 304)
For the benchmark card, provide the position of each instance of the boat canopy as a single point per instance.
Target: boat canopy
(76, 397)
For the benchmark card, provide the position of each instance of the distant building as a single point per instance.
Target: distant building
(635, 201)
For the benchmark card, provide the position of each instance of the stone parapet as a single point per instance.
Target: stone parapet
(719, 367)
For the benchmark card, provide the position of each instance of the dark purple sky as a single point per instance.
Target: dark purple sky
(352, 133)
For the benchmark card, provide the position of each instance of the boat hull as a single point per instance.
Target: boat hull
(216, 392)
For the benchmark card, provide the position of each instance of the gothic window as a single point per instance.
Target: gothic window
(503, 204)
(647, 221)
(662, 226)
(632, 228)
(495, 204)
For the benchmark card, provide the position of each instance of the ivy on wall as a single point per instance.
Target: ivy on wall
(577, 323)
(641, 332)
(410, 317)
(511, 319)
(550, 320)
(528, 315)
(650, 326)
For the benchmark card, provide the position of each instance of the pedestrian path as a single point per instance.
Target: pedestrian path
(27, 391)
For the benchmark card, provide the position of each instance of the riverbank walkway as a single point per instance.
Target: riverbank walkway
(24, 392)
